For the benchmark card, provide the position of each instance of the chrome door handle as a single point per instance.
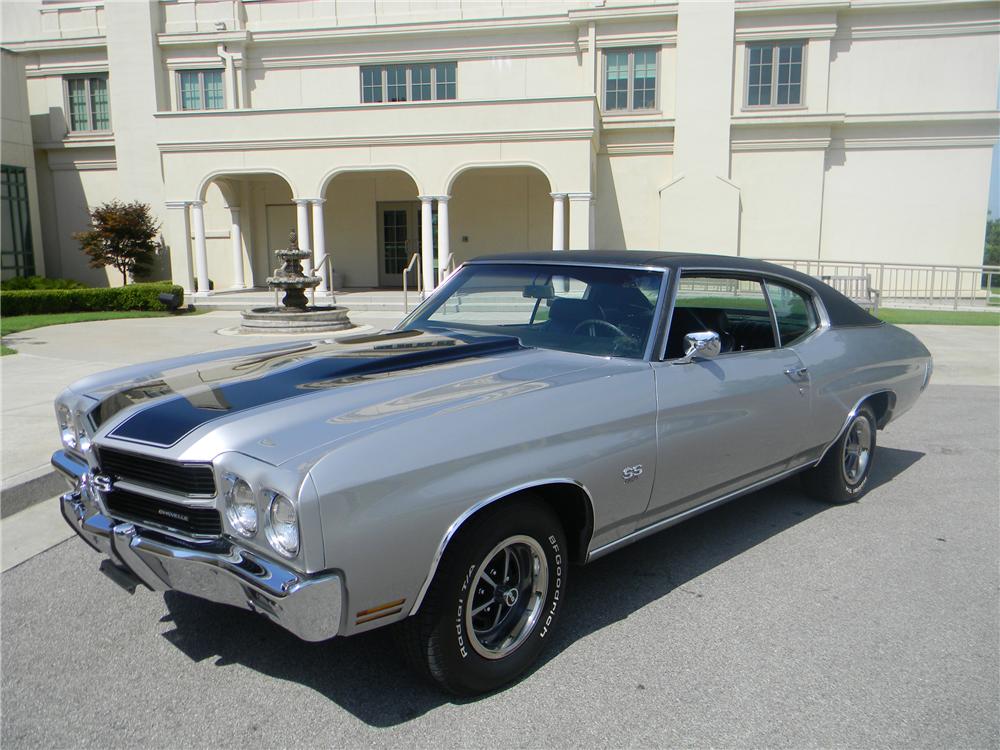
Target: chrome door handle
(797, 374)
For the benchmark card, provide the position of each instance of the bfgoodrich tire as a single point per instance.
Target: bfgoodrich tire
(842, 476)
(494, 601)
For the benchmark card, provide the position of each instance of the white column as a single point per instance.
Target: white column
(427, 240)
(179, 242)
(236, 235)
(558, 221)
(580, 209)
(444, 239)
(200, 246)
(319, 243)
(302, 230)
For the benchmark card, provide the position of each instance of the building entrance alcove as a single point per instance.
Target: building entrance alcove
(373, 227)
(246, 218)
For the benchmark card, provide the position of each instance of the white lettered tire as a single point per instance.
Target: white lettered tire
(494, 601)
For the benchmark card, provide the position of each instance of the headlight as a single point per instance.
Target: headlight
(283, 526)
(241, 506)
(67, 430)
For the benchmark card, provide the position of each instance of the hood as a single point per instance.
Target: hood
(277, 404)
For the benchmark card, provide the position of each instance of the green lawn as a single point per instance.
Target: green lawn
(939, 317)
(19, 323)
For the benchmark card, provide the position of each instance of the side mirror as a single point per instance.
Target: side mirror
(701, 345)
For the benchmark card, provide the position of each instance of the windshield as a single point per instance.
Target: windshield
(591, 310)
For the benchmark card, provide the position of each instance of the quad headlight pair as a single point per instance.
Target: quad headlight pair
(73, 436)
(281, 519)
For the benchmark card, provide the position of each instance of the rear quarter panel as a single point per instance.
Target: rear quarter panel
(848, 364)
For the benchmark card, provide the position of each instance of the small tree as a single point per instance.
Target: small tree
(991, 250)
(121, 235)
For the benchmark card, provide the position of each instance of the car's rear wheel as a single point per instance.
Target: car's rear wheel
(842, 476)
(494, 600)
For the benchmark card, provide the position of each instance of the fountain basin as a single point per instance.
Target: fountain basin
(316, 319)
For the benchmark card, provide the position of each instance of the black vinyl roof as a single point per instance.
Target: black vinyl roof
(842, 311)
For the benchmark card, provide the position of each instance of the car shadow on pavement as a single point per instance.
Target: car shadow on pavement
(365, 676)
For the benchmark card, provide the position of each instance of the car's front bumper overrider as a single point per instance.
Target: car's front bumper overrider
(308, 606)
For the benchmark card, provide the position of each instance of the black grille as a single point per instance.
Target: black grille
(195, 521)
(186, 479)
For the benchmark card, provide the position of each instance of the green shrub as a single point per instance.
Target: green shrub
(39, 282)
(132, 297)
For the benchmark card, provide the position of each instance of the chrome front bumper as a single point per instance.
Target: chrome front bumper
(308, 606)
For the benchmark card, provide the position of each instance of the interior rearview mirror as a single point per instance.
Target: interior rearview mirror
(539, 291)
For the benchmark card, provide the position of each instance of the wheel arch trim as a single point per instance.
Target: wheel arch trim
(457, 524)
(853, 413)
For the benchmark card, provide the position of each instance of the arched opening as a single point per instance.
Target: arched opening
(499, 210)
(247, 217)
(372, 226)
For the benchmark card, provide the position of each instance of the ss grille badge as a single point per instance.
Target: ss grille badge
(102, 482)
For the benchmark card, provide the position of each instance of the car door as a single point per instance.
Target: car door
(727, 422)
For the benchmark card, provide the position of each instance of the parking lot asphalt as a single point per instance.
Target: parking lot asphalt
(774, 621)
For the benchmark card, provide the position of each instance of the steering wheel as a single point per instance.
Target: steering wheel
(596, 323)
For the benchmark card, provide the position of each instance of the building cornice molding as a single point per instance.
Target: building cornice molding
(75, 141)
(905, 30)
(48, 45)
(193, 38)
(826, 30)
(853, 143)
(985, 117)
(64, 69)
(780, 144)
(785, 6)
(84, 165)
(636, 149)
(443, 103)
(799, 119)
(503, 136)
(622, 12)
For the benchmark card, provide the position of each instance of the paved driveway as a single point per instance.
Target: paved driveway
(773, 621)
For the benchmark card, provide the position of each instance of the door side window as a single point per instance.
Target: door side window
(793, 312)
(735, 308)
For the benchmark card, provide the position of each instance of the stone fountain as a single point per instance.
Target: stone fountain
(295, 314)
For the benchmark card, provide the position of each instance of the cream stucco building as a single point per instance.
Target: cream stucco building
(844, 129)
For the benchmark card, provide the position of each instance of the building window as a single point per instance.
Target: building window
(87, 103)
(774, 74)
(407, 83)
(200, 89)
(630, 79)
(17, 257)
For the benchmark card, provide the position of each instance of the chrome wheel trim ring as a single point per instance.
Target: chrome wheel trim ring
(507, 597)
(857, 450)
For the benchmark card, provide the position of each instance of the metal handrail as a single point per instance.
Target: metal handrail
(414, 260)
(328, 261)
(447, 269)
(924, 282)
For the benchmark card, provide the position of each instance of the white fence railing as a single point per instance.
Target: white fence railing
(926, 284)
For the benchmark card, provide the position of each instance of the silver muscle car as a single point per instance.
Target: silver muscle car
(537, 411)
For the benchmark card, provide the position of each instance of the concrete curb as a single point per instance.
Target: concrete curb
(20, 496)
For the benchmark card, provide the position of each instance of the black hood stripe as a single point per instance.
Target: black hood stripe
(172, 416)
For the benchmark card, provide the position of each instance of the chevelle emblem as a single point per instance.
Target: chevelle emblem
(173, 514)
(631, 473)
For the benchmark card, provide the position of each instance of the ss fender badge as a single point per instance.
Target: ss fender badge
(631, 473)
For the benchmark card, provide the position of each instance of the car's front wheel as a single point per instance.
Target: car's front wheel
(842, 476)
(494, 601)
